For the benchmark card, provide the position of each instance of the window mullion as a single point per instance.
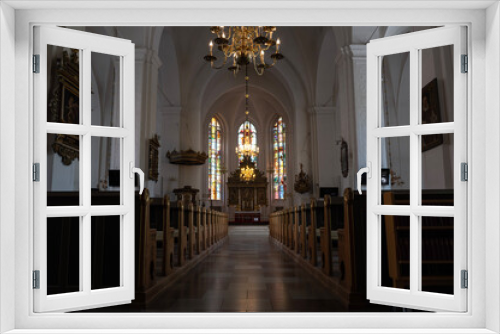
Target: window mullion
(414, 172)
(85, 169)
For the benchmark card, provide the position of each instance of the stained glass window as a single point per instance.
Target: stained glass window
(214, 159)
(253, 132)
(279, 159)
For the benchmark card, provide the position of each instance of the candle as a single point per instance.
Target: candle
(262, 56)
(211, 46)
(278, 42)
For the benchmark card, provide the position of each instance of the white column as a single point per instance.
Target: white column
(168, 128)
(191, 138)
(351, 104)
(324, 166)
(147, 64)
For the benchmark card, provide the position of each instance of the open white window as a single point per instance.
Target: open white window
(423, 227)
(67, 135)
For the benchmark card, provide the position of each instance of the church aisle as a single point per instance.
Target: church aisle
(247, 274)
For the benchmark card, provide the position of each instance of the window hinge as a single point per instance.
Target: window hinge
(465, 64)
(464, 170)
(36, 279)
(36, 172)
(465, 279)
(36, 63)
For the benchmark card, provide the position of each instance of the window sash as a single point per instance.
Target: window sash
(414, 297)
(85, 297)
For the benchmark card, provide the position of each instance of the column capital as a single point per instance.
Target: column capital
(322, 110)
(171, 110)
(148, 56)
(353, 51)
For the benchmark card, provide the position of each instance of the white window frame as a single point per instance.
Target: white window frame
(413, 43)
(483, 100)
(87, 43)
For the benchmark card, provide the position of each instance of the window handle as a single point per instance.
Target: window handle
(368, 171)
(134, 170)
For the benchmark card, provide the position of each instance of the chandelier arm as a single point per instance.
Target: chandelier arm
(272, 64)
(267, 48)
(259, 72)
(212, 64)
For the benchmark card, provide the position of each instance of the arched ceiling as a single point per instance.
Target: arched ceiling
(292, 81)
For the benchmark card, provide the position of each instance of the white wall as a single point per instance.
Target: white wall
(7, 167)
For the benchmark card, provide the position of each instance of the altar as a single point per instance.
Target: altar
(247, 217)
(247, 196)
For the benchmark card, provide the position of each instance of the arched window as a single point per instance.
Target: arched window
(253, 133)
(279, 159)
(214, 159)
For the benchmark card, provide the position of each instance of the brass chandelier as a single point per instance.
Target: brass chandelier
(246, 45)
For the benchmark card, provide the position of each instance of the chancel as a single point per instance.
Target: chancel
(252, 201)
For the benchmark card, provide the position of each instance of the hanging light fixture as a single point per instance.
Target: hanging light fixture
(246, 148)
(246, 45)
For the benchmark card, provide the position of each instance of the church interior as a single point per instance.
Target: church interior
(250, 139)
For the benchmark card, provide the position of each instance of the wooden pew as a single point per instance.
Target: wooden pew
(168, 238)
(209, 228)
(437, 243)
(204, 223)
(296, 232)
(352, 246)
(303, 225)
(333, 219)
(291, 228)
(178, 223)
(191, 231)
(312, 243)
(199, 229)
(145, 259)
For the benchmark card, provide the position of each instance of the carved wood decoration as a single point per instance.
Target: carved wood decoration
(344, 158)
(154, 145)
(188, 157)
(302, 182)
(247, 195)
(64, 106)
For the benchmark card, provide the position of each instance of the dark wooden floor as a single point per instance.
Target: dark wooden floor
(247, 274)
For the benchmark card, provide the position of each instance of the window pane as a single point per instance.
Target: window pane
(395, 252)
(437, 169)
(395, 165)
(63, 84)
(437, 84)
(106, 176)
(63, 170)
(105, 86)
(253, 134)
(395, 90)
(63, 255)
(279, 159)
(437, 254)
(105, 245)
(214, 159)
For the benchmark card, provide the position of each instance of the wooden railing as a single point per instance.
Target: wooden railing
(339, 256)
(170, 238)
(322, 236)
